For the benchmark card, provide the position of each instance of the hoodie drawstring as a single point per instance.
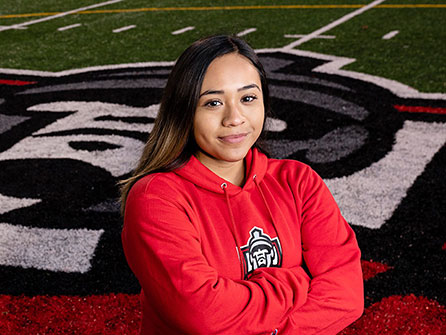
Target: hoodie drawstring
(233, 230)
(266, 204)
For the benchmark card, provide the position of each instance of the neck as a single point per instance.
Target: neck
(234, 172)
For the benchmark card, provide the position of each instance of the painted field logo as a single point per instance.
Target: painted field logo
(67, 138)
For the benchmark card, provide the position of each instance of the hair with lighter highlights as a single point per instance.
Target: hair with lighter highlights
(171, 142)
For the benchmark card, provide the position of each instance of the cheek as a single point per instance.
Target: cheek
(202, 127)
(259, 120)
(262, 119)
(197, 131)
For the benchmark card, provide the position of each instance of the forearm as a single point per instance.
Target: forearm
(321, 317)
(201, 302)
(190, 295)
(244, 306)
(334, 301)
(332, 256)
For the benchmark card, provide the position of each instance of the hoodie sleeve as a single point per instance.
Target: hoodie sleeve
(163, 250)
(332, 255)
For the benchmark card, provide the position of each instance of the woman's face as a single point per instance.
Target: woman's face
(230, 112)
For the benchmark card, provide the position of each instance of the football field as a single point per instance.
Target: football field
(358, 92)
(400, 40)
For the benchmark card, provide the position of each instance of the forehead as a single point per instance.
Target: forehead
(230, 70)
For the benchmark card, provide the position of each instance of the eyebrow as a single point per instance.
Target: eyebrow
(244, 88)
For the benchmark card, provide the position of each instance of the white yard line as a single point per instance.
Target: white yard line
(43, 19)
(333, 24)
(181, 31)
(69, 27)
(246, 32)
(390, 35)
(118, 30)
(49, 74)
(18, 28)
(328, 37)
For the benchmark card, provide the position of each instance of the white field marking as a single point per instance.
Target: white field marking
(18, 28)
(276, 125)
(8, 203)
(369, 197)
(69, 27)
(117, 161)
(65, 250)
(85, 69)
(328, 37)
(246, 32)
(334, 64)
(124, 28)
(333, 24)
(388, 36)
(19, 25)
(181, 31)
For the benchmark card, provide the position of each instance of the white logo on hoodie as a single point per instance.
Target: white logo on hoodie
(261, 251)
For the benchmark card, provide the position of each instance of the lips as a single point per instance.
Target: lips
(236, 138)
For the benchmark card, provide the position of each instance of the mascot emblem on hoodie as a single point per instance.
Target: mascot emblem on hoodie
(261, 251)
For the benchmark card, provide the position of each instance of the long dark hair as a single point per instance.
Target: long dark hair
(171, 142)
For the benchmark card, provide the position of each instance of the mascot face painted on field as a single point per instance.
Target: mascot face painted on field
(65, 141)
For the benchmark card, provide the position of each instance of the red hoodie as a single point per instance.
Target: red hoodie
(273, 256)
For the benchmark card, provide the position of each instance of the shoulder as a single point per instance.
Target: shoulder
(155, 183)
(154, 198)
(287, 163)
(290, 169)
(162, 186)
(299, 177)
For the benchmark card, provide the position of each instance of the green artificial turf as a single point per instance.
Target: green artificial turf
(414, 57)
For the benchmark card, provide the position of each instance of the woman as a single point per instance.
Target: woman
(222, 239)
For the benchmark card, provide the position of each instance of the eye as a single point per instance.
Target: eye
(213, 103)
(249, 98)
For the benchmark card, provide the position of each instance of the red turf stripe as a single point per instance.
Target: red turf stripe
(120, 314)
(401, 315)
(420, 109)
(370, 268)
(16, 82)
(100, 314)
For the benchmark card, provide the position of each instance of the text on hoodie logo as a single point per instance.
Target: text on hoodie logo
(261, 251)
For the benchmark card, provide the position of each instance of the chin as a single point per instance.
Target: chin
(234, 156)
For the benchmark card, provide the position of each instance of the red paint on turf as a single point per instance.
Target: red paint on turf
(420, 109)
(401, 315)
(100, 314)
(120, 314)
(370, 268)
(16, 82)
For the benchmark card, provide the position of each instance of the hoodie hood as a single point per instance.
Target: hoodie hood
(256, 166)
(195, 172)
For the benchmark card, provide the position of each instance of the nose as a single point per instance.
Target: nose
(233, 115)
